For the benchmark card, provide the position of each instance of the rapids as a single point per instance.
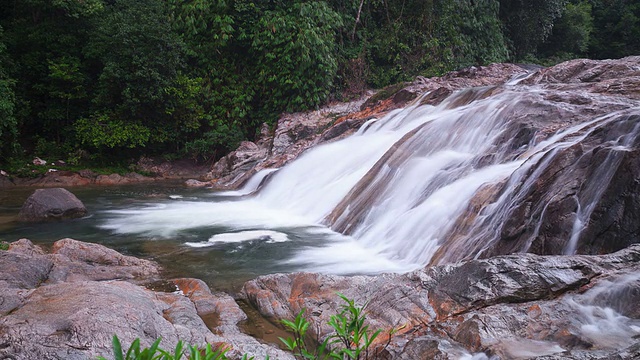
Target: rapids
(398, 193)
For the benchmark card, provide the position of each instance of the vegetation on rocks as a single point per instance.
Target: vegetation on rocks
(351, 340)
(103, 82)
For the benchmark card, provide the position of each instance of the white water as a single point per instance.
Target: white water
(251, 186)
(397, 187)
(599, 318)
(241, 236)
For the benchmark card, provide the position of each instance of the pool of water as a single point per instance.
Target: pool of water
(223, 257)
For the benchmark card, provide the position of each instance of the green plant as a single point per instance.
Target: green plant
(351, 338)
(154, 352)
(4, 245)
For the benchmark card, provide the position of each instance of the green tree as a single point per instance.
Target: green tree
(45, 40)
(616, 29)
(572, 32)
(295, 55)
(8, 121)
(528, 23)
(136, 62)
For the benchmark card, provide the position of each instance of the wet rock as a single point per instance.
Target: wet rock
(51, 204)
(297, 132)
(69, 303)
(79, 261)
(513, 307)
(196, 183)
(180, 169)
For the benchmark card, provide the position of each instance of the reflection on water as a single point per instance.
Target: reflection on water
(231, 258)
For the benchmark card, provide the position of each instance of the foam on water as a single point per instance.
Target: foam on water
(393, 191)
(267, 236)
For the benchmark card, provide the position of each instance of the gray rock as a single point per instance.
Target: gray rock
(68, 304)
(51, 204)
(512, 307)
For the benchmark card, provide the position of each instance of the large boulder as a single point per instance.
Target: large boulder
(69, 303)
(51, 204)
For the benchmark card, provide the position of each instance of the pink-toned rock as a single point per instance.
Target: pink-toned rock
(68, 304)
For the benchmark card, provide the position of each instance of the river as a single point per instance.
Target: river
(224, 264)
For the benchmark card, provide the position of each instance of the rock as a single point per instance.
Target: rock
(297, 132)
(517, 306)
(39, 162)
(69, 303)
(180, 169)
(51, 204)
(79, 261)
(196, 183)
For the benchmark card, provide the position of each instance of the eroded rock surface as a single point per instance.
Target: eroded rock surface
(513, 307)
(294, 133)
(68, 304)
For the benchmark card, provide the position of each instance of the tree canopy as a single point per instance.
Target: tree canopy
(83, 80)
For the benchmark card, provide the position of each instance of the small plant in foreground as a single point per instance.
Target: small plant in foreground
(351, 338)
(154, 352)
(4, 245)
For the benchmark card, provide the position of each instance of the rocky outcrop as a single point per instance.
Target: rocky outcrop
(51, 204)
(579, 198)
(513, 307)
(294, 133)
(68, 304)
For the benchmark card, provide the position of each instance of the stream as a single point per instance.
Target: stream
(231, 258)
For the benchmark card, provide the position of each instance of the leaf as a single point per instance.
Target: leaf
(117, 348)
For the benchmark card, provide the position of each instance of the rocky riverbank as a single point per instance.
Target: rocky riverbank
(514, 307)
(68, 302)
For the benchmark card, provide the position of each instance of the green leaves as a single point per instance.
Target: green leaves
(351, 338)
(154, 352)
(295, 52)
(103, 131)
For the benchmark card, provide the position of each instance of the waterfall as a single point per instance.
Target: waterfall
(420, 184)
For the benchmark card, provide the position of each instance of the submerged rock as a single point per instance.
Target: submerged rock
(51, 204)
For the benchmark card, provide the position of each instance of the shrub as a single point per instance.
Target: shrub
(350, 340)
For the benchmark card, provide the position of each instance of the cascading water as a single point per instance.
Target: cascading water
(391, 196)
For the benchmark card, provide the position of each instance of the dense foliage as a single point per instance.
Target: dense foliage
(111, 80)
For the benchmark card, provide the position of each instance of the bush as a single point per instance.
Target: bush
(351, 339)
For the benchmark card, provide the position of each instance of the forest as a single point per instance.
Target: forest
(106, 81)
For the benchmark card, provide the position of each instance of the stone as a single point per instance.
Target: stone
(51, 204)
(69, 303)
(512, 307)
(39, 162)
